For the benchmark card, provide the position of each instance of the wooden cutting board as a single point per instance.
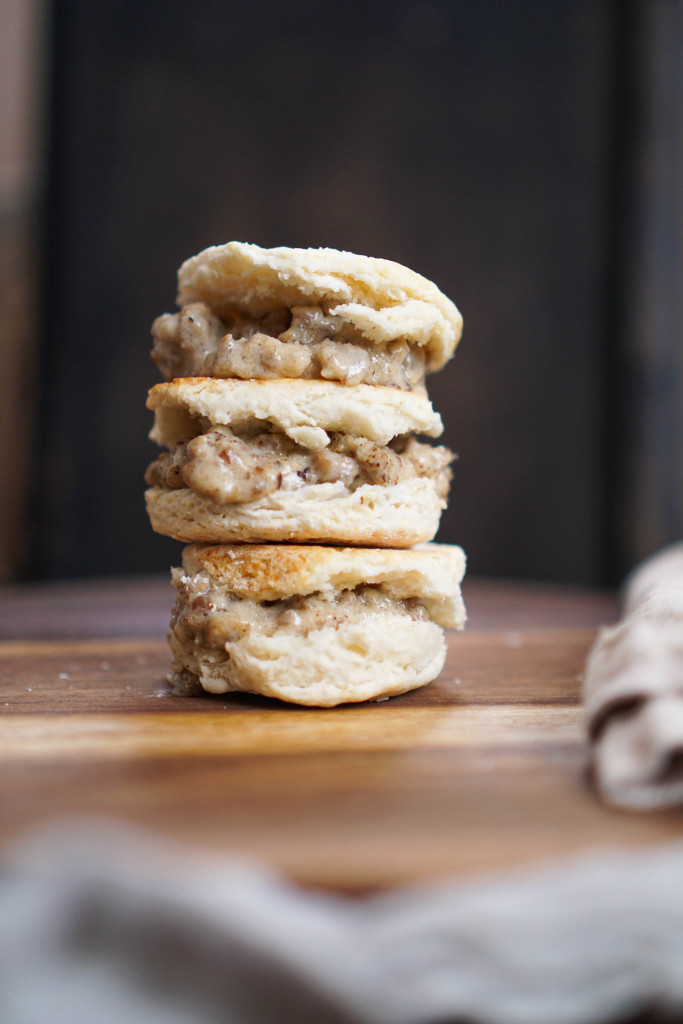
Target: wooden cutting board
(485, 768)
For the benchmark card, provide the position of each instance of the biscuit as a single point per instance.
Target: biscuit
(315, 626)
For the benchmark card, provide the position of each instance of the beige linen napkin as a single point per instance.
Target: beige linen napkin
(633, 691)
(102, 925)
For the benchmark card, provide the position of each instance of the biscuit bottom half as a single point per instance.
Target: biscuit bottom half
(315, 626)
(399, 516)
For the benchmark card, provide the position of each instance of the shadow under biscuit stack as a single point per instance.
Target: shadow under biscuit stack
(294, 469)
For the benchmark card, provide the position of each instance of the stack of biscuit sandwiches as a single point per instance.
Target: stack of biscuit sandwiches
(290, 418)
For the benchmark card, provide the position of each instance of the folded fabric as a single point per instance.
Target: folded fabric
(633, 691)
(103, 924)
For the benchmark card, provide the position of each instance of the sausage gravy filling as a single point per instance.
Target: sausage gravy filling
(227, 468)
(205, 615)
(306, 342)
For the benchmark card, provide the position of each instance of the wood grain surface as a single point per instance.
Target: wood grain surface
(484, 768)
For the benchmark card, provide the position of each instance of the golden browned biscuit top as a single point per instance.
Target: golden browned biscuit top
(271, 572)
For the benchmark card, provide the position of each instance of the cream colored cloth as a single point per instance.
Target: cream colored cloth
(105, 926)
(633, 691)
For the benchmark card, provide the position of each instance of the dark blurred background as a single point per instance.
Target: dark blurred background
(527, 156)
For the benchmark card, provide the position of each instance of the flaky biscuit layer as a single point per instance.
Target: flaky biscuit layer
(303, 409)
(397, 516)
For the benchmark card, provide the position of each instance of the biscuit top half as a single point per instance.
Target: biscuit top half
(431, 573)
(304, 410)
(381, 299)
